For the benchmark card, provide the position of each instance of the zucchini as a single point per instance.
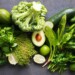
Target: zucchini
(70, 12)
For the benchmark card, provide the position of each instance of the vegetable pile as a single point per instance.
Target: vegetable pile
(24, 50)
(26, 34)
(61, 41)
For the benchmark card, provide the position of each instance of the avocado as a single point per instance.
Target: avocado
(38, 38)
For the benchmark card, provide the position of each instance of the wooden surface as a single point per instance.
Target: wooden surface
(53, 7)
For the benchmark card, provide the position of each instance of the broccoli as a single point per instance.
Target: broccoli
(29, 16)
(23, 52)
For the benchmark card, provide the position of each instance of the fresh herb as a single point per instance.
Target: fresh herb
(6, 39)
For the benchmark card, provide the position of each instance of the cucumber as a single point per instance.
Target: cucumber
(70, 12)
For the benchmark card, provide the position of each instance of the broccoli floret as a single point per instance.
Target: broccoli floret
(23, 52)
(29, 16)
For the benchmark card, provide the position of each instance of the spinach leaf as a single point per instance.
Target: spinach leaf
(61, 27)
(51, 36)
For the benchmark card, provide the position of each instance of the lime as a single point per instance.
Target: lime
(39, 59)
(4, 16)
(11, 59)
(44, 50)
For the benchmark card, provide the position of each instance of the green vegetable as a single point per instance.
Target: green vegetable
(61, 27)
(59, 41)
(38, 38)
(73, 19)
(70, 12)
(29, 16)
(2, 61)
(44, 50)
(24, 51)
(6, 49)
(72, 67)
(64, 35)
(52, 43)
(6, 39)
(5, 16)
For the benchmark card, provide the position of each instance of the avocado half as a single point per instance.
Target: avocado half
(38, 38)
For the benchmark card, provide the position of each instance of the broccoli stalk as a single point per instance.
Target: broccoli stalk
(29, 16)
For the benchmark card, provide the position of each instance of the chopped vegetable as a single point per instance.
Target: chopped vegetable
(50, 24)
(38, 38)
(29, 16)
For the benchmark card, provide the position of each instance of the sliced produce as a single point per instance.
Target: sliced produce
(39, 59)
(38, 38)
(50, 24)
(12, 59)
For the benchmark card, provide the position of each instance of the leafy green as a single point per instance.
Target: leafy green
(61, 27)
(61, 45)
(6, 39)
(52, 41)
